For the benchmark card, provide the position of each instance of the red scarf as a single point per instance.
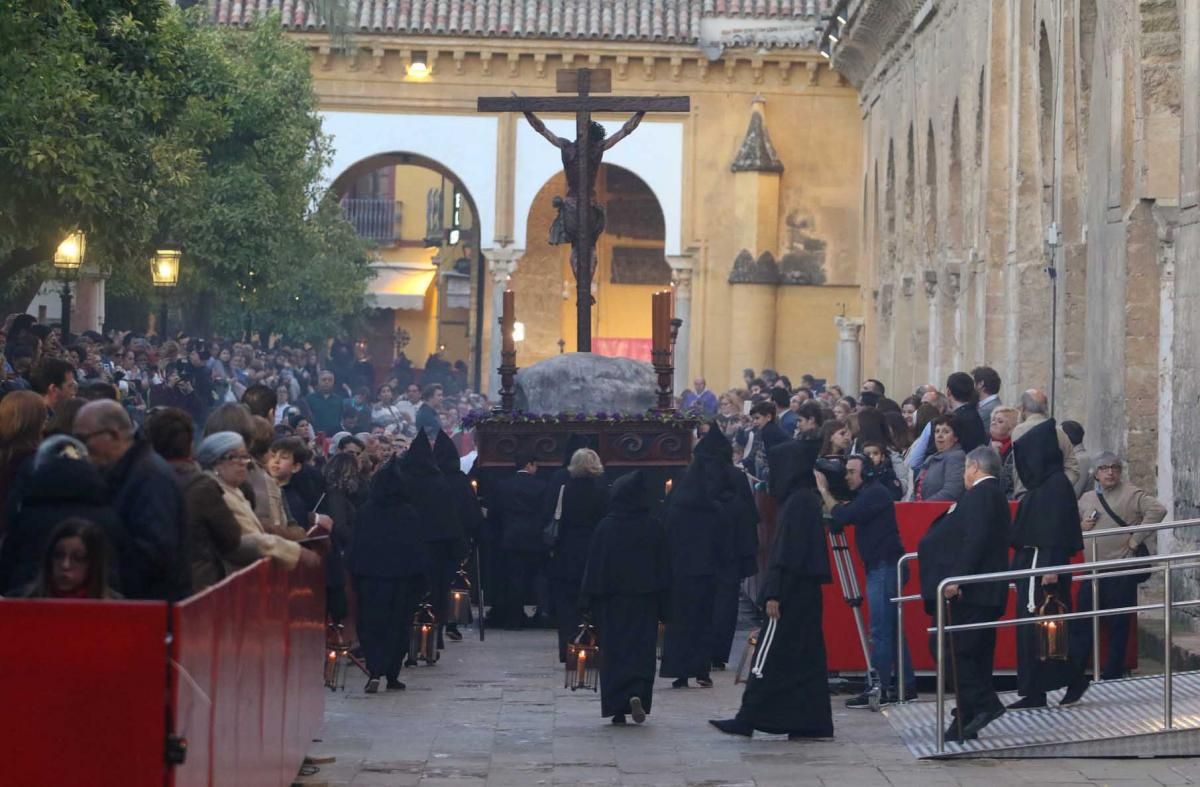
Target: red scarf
(80, 592)
(1005, 445)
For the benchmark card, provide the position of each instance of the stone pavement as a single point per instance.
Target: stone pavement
(494, 714)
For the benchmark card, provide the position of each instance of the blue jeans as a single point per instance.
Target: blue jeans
(881, 588)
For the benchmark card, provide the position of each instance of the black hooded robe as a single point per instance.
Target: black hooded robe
(440, 523)
(740, 560)
(695, 523)
(625, 585)
(387, 561)
(585, 502)
(1048, 520)
(462, 495)
(788, 689)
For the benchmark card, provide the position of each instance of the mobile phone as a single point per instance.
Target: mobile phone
(746, 405)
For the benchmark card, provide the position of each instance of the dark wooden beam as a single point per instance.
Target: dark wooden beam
(586, 104)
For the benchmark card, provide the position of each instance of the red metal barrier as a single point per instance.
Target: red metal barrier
(248, 690)
(85, 684)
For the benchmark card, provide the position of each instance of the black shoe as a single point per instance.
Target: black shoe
(372, 686)
(410, 662)
(863, 701)
(636, 710)
(704, 682)
(453, 633)
(733, 727)
(619, 720)
(1032, 701)
(718, 665)
(395, 685)
(980, 720)
(796, 736)
(952, 736)
(1075, 691)
(679, 683)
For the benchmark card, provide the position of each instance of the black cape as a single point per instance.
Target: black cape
(388, 538)
(625, 587)
(788, 689)
(466, 503)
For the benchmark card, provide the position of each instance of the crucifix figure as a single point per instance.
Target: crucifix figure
(580, 217)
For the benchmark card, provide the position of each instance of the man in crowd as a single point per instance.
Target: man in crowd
(698, 397)
(54, 379)
(987, 384)
(1074, 432)
(971, 538)
(326, 405)
(427, 414)
(873, 514)
(968, 426)
(1111, 504)
(1035, 409)
(154, 564)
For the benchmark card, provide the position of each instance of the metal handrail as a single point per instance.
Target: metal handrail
(1090, 535)
(1150, 562)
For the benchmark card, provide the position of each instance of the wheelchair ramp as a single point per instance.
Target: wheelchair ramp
(1120, 718)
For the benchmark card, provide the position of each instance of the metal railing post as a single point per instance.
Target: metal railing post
(941, 662)
(900, 629)
(1096, 620)
(1167, 646)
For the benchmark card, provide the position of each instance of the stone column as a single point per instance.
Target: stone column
(935, 329)
(849, 353)
(681, 279)
(501, 263)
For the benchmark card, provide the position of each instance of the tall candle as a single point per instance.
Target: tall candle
(655, 323)
(507, 318)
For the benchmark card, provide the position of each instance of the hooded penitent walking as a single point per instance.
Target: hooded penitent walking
(1046, 532)
(466, 505)
(625, 585)
(695, 521)
(788, 689)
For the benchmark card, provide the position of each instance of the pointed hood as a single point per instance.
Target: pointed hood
(445, 454)
(419, 457)
(1036, 454)
(705, 480)
(389, 486)
(630, 495)
(714, 445)
(792, 464)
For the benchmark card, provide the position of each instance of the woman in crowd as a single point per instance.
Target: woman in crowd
(844, 407)
(908, 409)
(22, 419)
(941, 476)
(835, 438)
(76, 563)
(730, 416)
(624, 587)
(873, 430)
(900, 431)
(788, 689)
(584, 502)
(1004, 421)
(386, 413)
(343, 482)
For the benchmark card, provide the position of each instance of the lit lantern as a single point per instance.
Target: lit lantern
(460, 599)
(164, 267)
(422, 644)
(1052, 634)
(583, 660)
(70, 253)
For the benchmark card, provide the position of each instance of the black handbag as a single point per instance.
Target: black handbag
(1141, 551)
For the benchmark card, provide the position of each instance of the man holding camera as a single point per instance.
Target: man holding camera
(873, 514)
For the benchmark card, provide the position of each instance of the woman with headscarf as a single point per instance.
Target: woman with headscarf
(387, 561)
(695, 524)
(624, 587)
(788, 689)
(584, 502)
(466, 503)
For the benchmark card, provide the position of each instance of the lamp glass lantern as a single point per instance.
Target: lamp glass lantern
(460, 599)
(164, 266)
(70, 253)
(422, 643)
(582, 669)
(1052, 634)
(418, 67)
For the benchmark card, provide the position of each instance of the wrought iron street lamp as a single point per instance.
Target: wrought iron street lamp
(68, 258)
(164, 271)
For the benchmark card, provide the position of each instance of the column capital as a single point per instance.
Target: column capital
(848, 327)
(502, 262)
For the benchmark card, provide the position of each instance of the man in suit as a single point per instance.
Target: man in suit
(987, 384)
(516, 516)
(972, 538)
(963, 405)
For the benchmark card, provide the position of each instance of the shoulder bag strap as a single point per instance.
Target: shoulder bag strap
(558, 508)
(1108, 510)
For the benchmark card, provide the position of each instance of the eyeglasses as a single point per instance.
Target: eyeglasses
(236, 458)
(86, 437)
(1113, 468)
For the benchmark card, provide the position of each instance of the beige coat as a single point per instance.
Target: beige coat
(254, 536)
(1070, 461)
(1133, 505)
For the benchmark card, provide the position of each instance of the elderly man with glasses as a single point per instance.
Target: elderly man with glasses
(1111, 504)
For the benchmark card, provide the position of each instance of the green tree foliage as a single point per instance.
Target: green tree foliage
(138, 122)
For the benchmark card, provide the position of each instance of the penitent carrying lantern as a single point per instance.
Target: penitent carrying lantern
(459, 611)
(583, 660)
(1052, 634)
(422, 644)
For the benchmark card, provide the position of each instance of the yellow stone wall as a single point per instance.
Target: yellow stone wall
(811, 115)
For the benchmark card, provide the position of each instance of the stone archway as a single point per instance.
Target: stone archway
(631, 264)
(425, 225)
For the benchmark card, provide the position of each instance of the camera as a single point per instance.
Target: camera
(834, 470)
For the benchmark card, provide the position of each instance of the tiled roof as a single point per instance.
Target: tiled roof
(669, 21)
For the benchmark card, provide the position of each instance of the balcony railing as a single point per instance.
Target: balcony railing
(376, 220)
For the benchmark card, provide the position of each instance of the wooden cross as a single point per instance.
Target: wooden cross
(581, 219)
